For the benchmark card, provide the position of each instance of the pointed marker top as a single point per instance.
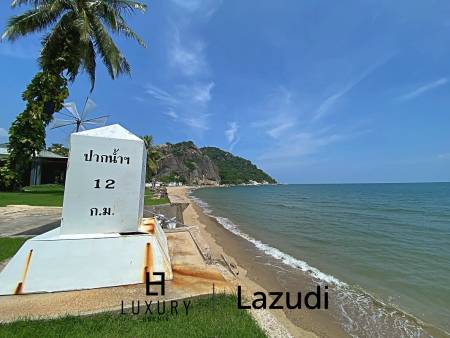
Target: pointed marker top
(115, 131)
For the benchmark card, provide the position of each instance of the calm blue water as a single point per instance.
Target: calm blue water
(391, 241)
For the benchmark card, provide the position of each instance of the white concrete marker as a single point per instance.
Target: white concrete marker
(98, 244)
(105, 182)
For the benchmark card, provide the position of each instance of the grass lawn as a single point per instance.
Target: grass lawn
(149, 200)
(51, 195)
(225, 321)
(45, 188)
(9, 246)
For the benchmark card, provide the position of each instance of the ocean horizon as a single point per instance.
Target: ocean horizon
(384, 246)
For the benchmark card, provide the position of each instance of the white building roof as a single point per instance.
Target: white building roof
(42, 154)
(49, 154)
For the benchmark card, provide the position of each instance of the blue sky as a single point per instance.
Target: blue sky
(311, 91)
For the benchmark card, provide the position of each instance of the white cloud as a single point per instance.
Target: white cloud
(3, 132)
(293, 136)
(297, 145)
(171, 114)
(330, 101)
(188, 104)
(190, 5)
(188, 100)
(326, 106)
(198, 122)
(231, 132)
(187, 56)
(205, 8)
(203, 94)
(187, 50)
(278, 130)
(423, 89)
(139, 99)
(160, 95)
(303, 143)
(197, 93)
(444, 156)
(282, 114)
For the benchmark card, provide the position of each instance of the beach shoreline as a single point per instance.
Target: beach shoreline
(266, 265)
(253, 274)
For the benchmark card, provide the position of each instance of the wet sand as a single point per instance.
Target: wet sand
(259, 272)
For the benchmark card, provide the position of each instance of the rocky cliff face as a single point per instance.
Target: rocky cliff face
(236, 170)
(186, 163)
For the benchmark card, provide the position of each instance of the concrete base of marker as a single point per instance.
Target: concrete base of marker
(52, 262)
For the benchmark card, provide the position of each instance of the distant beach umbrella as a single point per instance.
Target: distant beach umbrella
(78, 121)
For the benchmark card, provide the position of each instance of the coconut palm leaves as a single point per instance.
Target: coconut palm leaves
(153, 156)
(77, 31)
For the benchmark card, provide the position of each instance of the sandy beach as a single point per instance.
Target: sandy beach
(252, 273)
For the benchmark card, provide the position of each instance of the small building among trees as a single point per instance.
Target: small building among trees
(46, 168)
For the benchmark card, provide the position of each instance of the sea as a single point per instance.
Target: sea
(384, 247)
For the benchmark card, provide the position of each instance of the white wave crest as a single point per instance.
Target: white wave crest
(267, 249)
(352, 303)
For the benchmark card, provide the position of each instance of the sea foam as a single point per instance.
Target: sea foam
(361, 313)
(267, 249)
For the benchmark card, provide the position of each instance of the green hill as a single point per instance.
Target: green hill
(235, 169)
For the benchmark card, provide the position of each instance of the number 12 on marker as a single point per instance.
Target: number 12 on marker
(109, 184)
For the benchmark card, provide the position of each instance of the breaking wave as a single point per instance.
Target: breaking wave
(360, 313)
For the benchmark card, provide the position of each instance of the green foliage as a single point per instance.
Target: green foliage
(149, 198)
(204, 319)
(48, 196)
(45, 188)
(172, 177)
(79, 30)
(7, 177)
(27, 132)
(184, 158)
(192, 165)
(52, 195)
(9, 246)
(153, 157)
(234, 169)
(59, 149)
(178, 149)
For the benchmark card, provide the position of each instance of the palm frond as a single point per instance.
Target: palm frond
(34, 20)
(82, 25)
(117, 23)
(112, 57)
(56, 43)
(108, 14)
(129, 33)
(80, 30)
(89, 62)
(126, 5)
(34, 3)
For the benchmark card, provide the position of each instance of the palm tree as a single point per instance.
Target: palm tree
(153, 156)
(78, 31)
